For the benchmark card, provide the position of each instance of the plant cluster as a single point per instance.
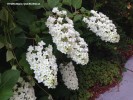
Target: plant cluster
(56, 50)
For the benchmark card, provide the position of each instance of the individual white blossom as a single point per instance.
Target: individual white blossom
(69, 76)
(102, 26)
(66, 38)
(23, 91)
(55, 10)
(43, 63)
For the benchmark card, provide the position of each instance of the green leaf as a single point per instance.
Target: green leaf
(5, 94)
(4, 15)
(34, 29)
(53, 3)
(77, 18)
(17, 30)
(8, 45)
(25, 64)
(9, 78)
(82, 9)
(7, 17)
(48, 13)
(1, 45)
(37, 39)
(24, 17)
(70, 14)
(18, 40)
(11, 24)
(9, 55)
(59, 5)
(67, 2)
(76, 3)
(38, 26)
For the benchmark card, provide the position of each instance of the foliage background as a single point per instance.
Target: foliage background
(21, 26)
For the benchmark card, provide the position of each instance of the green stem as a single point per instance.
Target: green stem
(94, 4)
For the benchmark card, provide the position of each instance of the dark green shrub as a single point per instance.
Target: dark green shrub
(99, 72)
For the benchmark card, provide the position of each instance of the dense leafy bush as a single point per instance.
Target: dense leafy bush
(98, 72)
(23, 27)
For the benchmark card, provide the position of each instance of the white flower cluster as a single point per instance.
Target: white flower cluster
(69, 76)
(102, 26)
(23, 91)
(43, 62)
(66, 38)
